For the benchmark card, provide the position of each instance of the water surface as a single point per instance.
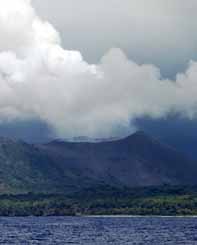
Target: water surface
(98, 230)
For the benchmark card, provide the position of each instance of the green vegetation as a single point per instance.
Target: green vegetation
(104, 201)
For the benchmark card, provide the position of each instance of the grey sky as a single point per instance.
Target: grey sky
(162, 32)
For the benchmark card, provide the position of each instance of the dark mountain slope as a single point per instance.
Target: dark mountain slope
(24, 168)
(137, 160)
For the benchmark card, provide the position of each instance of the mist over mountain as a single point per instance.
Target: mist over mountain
(62, 167)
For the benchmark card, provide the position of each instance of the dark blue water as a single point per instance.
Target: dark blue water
(98, 231)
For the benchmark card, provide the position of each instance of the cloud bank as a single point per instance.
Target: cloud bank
(41, 80)
(160, 32)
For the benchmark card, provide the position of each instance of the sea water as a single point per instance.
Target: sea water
(99, 230)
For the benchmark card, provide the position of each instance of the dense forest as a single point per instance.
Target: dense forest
(104, 200)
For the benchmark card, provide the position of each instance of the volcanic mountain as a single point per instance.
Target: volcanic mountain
(62, 167)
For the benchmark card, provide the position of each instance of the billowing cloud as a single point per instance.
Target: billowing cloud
(41, 80)
(160, 32)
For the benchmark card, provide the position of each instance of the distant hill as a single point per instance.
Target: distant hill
(64, 167)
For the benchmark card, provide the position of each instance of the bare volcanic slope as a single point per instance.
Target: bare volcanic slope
(61, 167)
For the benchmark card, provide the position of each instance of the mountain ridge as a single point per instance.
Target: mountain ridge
(62, 167)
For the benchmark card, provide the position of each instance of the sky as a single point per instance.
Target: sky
(72, 68)
(155, 31)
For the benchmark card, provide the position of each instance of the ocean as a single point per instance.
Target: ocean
(99, 230)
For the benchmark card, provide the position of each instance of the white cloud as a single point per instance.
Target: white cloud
(41, 80)
(162, 32)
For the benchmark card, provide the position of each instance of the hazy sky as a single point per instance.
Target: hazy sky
(162, 32)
